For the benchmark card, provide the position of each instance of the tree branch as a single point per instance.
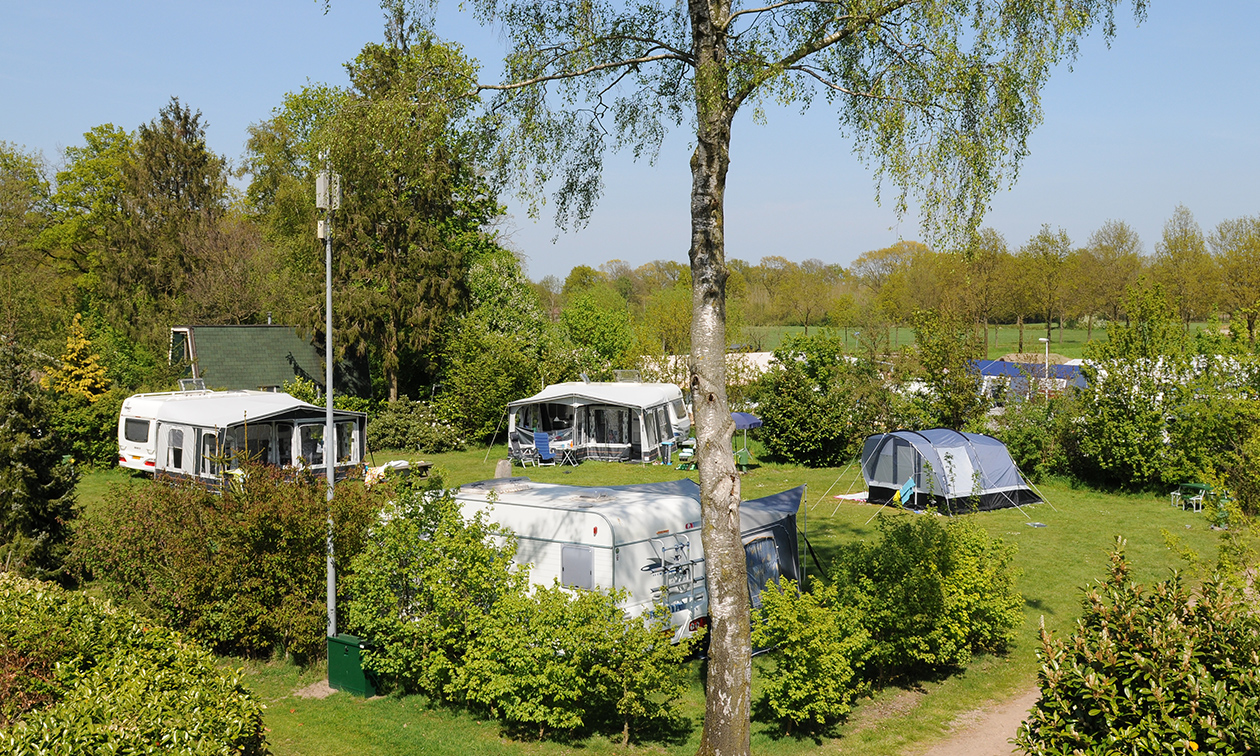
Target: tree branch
(777, 6)
(851, 27)
(585, 71)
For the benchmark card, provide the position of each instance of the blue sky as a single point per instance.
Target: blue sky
(1169, 115)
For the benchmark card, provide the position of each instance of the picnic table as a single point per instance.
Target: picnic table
(1191, 494)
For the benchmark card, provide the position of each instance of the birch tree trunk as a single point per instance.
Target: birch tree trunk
(727, 699)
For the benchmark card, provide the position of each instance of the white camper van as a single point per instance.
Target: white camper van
(644, 539)
(202, 435)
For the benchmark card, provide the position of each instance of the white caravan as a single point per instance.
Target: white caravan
(137, 428)
(644, 539)
(202, 435)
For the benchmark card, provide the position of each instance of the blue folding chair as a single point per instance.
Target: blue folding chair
(542, 442)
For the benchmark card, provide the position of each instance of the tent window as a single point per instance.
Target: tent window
(662, 423)
(136, 430)
(258, 443)
(345, 443)
(649, 425)
(761, 556)
(577, 567)
(906, 465)
(311, 444)
(209, 454)
(175, 449)
(609, 424)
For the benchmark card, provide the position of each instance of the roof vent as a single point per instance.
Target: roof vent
(591, 496)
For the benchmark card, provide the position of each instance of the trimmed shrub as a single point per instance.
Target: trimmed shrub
(568, 661)
(1162, 671)
(110, 682)
(930, 592)
(405, 424)
(243, 571)
(422, 590)
(820, 651)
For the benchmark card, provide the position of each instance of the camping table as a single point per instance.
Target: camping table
(564, 449)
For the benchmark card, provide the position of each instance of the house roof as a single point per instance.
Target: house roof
(250, 356)
(624, 394)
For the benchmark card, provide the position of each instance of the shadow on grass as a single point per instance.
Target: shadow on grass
(1038, 605)
(666, 731)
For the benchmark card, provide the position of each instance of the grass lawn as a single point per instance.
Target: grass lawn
(1055, 562)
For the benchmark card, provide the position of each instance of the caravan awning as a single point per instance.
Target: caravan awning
(220, 409)
(576, 393)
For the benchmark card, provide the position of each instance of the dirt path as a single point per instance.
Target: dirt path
(987, 732)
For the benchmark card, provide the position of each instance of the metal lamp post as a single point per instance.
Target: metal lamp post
(328, 199)
(1046, 377)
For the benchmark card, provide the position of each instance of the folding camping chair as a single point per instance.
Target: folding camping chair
(542, 443)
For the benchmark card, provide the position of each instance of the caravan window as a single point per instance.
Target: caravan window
(761, 557)
(577, 567)
(136, 430)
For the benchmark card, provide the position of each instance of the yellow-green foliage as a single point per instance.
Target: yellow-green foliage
(111, 682)
(81, 373)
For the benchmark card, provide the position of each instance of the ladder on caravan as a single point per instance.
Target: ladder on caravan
(682, 577)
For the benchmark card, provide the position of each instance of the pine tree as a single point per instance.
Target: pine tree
(81, 373)
(36, 482)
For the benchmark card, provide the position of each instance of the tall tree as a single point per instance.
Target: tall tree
(1185, 269)
(174, 190)
(1117, 252)
(89, 198)
(941, 98)
(1236, 244)
(984, 278)
(411, 185)
(1045, 259)
(28, 288)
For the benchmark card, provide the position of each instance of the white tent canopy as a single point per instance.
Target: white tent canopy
(623, 421)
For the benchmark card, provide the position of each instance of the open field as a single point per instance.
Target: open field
(1003, 339)
(1055, 562)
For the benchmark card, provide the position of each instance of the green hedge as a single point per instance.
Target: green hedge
(1167, 670)
(103, 680)
(243, 572)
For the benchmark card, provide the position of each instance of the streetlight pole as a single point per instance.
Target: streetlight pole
(1046, 377)
(328, 199)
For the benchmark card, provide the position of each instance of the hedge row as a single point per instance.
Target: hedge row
(77, 676)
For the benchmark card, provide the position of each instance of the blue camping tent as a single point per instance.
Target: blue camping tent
(954, 471)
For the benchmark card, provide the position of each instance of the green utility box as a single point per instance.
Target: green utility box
(345, 666)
